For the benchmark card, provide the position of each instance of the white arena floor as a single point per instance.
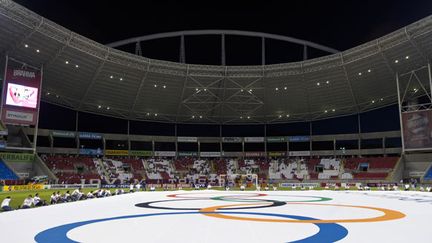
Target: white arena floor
(216, 216)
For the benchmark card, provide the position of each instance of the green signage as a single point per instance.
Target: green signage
(143, 153)
(276, 139)
(17, 157)
(184, 153)
(63, 134)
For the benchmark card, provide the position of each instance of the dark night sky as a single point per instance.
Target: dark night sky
(338, 24)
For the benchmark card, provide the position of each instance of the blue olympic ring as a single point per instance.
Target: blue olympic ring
(328, 232)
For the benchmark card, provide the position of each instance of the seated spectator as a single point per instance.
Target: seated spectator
(37, 201)
(5, 204)
(90, 194)
(53, 198)
(66, 197)
(100, 193)
(77, 194)
(28, 201)
(58, 197)
(107, 193)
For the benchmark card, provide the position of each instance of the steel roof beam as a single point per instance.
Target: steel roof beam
(223, 32)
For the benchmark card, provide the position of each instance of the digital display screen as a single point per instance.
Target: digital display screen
(22, 96)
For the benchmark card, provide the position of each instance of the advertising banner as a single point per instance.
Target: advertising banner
(299, 153)
(294, 139)
(143, 153)
(90, 135)
(254, 139)
(298, 184)
(276, 154)
(187, 154)
(165, 153)
(63, 134)
(91, 151)
(232, 154)
(20, 97)
(187, 139)
(115, 186)
(417, 129)
(254, 154)
(17, 157)
(23, 187)
(116, 152)
(276, 139)
(231, 140)
(210, 154)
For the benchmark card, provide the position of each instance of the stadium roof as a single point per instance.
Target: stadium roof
(91, 77)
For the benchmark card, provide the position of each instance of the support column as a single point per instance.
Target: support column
(4, 79)
(138, 50)
(265, 140)
(128, 138)
(182, 50)
(223, 61)
(310, 137)
(38, 111)
(263, 51)
(288, 148)
(51, 139)
(220, 140)
(305, 54)
(334, 147)
(430, 78)
(243, 151)
(359, 134)
(176, 140)
(400, 109)
(76, 132)
(199, 148)
(104, 145)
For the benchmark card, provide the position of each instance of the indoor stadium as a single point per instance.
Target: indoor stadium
(219, 121)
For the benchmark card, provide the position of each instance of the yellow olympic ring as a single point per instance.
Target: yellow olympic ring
(388, 215)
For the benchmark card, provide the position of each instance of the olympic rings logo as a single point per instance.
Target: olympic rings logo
(329, 229)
